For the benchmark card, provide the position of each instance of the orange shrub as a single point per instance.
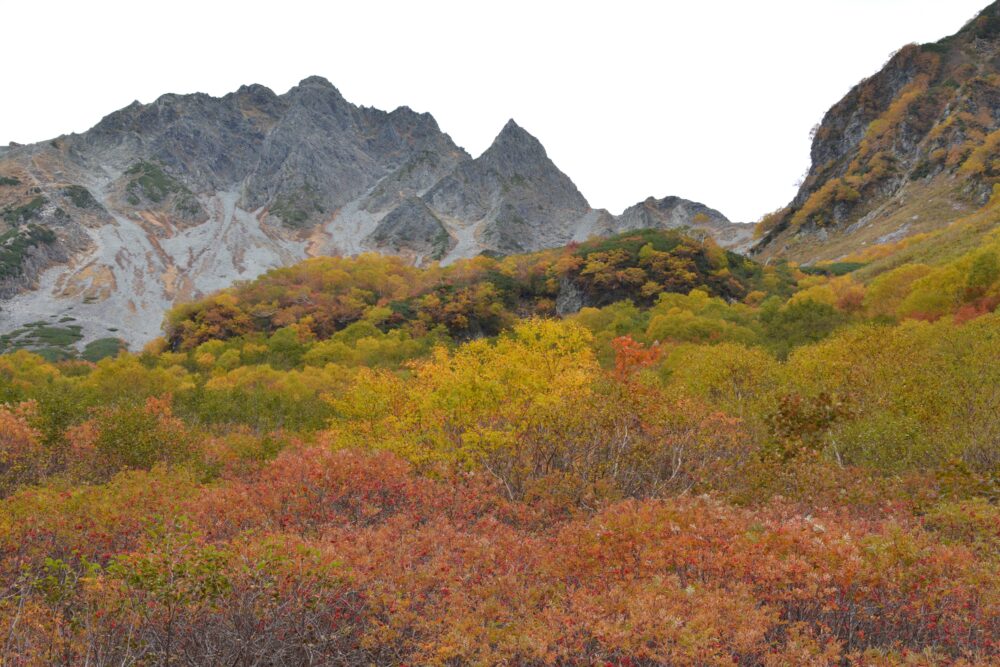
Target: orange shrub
(23, 458)
(361, 561)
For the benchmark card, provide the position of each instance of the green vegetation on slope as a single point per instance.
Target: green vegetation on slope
(148, 182)
(15, 243)
(81, 197)
(15, 215)
(471, 298)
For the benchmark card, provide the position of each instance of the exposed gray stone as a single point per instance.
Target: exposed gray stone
(412, 228)
(569, 300)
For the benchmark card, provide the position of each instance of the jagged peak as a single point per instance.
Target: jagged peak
(317, 93)
(254, 89)
(167, 99)
(511, 126)
(513, 132)
(314, 87)
(116, 119)
(424, 117)
(316, 81)
(671, 200)
(514, 139)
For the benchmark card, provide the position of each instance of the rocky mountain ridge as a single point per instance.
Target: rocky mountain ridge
(910, 150)
(163, 202)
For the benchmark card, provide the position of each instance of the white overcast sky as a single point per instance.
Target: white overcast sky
(709, 100)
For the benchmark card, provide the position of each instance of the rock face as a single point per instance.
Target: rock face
(163, 202)
(907, 150)
(412, 226)
(512, 198)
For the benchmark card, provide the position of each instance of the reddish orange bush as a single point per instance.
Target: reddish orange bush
(23, 458)
(355, 559)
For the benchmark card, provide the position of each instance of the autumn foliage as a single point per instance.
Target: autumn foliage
(469, 298)
(343, 556)
(355, 462)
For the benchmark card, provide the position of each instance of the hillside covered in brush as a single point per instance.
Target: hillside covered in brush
(470, 298)
(637, 451)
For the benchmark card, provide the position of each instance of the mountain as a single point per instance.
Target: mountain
(674, 212)
(512, 198)
(163, 202)
(912, 150)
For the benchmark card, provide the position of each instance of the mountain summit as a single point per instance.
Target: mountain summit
(163, 202)
(512, 198)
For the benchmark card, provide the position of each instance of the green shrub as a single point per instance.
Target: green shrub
(832, 269)
(58, 336)
(15, 243)
(53, 354)
(19, 214)
(101, 348)
(798, 323)
(81, 197)
(150, 182)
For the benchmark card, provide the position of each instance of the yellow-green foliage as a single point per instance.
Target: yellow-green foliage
(462, 407)
(887, 291)
(921, 394)
(694, 317)
(816, 209)
(970, 279)
(363, 344)
(699, 318)
(981, 158)
(741, 380)
(841, 292)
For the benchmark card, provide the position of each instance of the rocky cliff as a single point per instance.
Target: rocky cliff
(911, 149)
